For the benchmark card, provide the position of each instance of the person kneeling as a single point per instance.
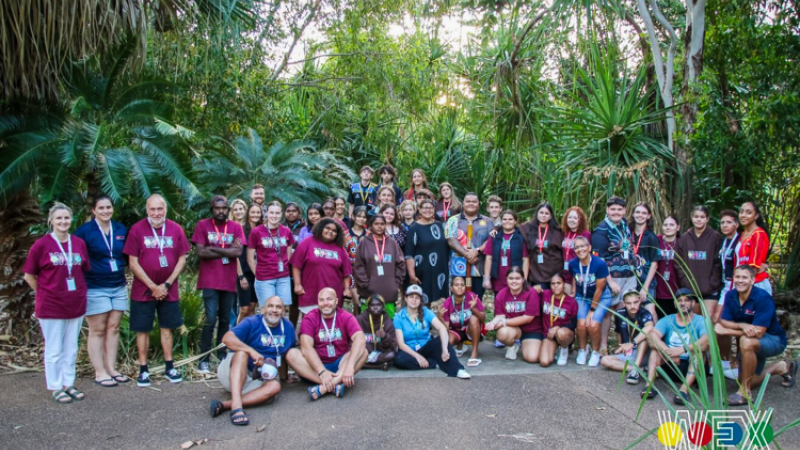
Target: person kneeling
(680, 338)
(381, 341)
(633, 323)
(333, 348)
(249, 372)
(749, 314)
(418, 350)
(516, 308)
(463, 315)
(559, 314)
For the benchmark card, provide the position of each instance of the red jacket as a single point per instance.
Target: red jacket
(753, 252)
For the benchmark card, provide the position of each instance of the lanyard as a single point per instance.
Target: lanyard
(571, 240)
(380, 252)
(584, 276)
(160, 241)
(274, 341)
(294, 227)
(552, 309)
(362, 193)
(275, 243)
(455, 308)
(725, 251)
(542, 238)
(329, 331)
(221, 237)
(505, 247)
(446, 209)
(638, 243)
(67, 257)
(372, 327)
(110, 242)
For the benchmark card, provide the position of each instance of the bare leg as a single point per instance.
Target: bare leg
(531, 349)
(112, 341)
(142, 345)
(507, 335)
(95, 344)
(238, 373)
(166, 344)
(778, 368)
(474, 332)
(583, 334)
(548, 349)
(565, 337)
(605, 329)
(748, 347)
(611, 362)
(452, 338)
(256, 397)
(595, 333)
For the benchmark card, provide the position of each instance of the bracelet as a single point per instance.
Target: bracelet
(593, 308)
(323, 371)
(241, 277)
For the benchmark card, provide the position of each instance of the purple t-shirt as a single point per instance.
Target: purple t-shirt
(321, 265)
(458, 317)
(143, 244)
(270, 246)
(45, 260)
(527, 303)
(213, 273)
(341, 333)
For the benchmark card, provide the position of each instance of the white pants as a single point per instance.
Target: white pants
(60, 351)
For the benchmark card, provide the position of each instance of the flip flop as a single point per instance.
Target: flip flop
(120, 378)
(338, 390)
(790, 377)
(215, 408)
(239, 418)
(73, 392)
(314, 393)
(737, 399)
(105, 383)
(62, 397)
(474, 362)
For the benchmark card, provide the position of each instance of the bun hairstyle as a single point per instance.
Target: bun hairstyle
(57, 206)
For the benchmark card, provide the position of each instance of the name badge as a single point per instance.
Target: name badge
(417, 347)
(71, 284)
(162, 260)
(504, 261)
(625, 254)
(566, 266)
(540, 258)
(280, 266)
(666, 276)
(331, 350)
(278, 360)
(113, 264)
(225, 260)
(380, 271)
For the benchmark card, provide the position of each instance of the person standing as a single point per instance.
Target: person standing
(408, 213)
(313, 215)
(418, 181)
(503, 251)
(729, 225)
(385, 196)
(239, 215)
(156, 249)
(467, 234)
(645, 250)
(340, 212)
(245, 288)
(590, 284)
(257, 194)
(293, 221)
(218, 241)
(394, 227)
(388, 176)
(362, 193)
(574, 224)
(107, 294)
(427, 252)
(667, 277)
(699, 264)
(544, 239)
(494, 206)
(55, 270)
(268, 254)
(753, 247)
(379, 267)
(448, 204)
(381, 341)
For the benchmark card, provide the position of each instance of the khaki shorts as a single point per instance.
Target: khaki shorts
(224, 375)
(625, 285)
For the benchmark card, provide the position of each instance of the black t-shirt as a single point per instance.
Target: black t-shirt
(626, 331)
(645, 250)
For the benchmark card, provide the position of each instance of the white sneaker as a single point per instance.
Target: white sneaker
(726, 364)
(463, 374)
(581, 357)
(563, 356)
(511, 352)
(732, 374)
(595, 359)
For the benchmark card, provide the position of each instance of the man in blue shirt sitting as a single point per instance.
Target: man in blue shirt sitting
(749, 314)
(250, 371)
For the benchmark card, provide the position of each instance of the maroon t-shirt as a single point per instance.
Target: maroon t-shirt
(321, 265)
(502, 272)
(527, 303)
(213, 273)
(341, 332)
(269, 244)
(143, 244)
(45, 260)
(666, 275)
(561, 313)
(458, 316)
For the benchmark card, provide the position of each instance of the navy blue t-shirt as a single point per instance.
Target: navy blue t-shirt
(645, 252)
(758, 310)
(253, 332)
(597, 271)
(101, 276)
(625, 330)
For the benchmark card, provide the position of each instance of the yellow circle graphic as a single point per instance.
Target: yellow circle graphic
(670, 433)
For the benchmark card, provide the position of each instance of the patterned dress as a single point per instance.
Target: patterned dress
(427, 246)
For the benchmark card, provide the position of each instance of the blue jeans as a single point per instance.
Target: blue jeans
(282, 287)
(218, 308)
(585, 304)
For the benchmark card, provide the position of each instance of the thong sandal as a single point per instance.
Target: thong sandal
(215, 408)
(62, 397)
(107, 383)
(385, 367)
(790, 377)
(461, 352)
(73, 392)
(474, 362)
(338, 390)
(120, 378)
(239, 418)
(314, 393)
(737, 399)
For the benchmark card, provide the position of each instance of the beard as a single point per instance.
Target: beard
(272, 321)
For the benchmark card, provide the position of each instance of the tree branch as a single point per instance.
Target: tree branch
(297, 36)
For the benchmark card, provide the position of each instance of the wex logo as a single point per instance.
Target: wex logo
(686, 430)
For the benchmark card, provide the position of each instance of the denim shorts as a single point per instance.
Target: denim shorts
(282, 287)
(771, 345)
(585, 304)
(103, 300)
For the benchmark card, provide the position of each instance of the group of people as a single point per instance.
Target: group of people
(392, 253)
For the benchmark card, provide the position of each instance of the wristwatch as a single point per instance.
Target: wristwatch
(168, 284)
(241, 277)
(593, 308)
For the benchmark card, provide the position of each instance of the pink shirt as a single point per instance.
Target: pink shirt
(48, 263)
(561, 313)
(341, 336)
(321, 265)
(458, 316)
(143, 244)
(270, 247)
(527, 303)
(213, 273)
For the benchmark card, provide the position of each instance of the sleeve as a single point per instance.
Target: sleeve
(727, 313)
(663, 327)
(32, 262)
(599, 243)
(524, 251)
(602, 270)
(652, 248)
(647, 317)
(81, 232)
(500, 304)
(479, 305)
(700, 326)
(399, 264)
(588, 235)
(307, 327)
(243, 330)
(573, 309)
(347, 268)
(680, 262)
(298, 258)
(451, 229)
(132, 243)
(183, 246)
(428, 316)
(351, 326)
(760, 249)
(489, 247)
(764, 312)
(617, 322)
(360, 269)
(199, 237)
(241, 236)
(715, 280)
(411, 242)
(533, 306)
(398, 194)
(86, 264)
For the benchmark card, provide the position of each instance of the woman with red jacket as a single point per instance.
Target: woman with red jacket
(753, 246)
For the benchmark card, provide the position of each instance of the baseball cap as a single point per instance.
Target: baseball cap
(416, 289)
(685, 292)
(614, 200)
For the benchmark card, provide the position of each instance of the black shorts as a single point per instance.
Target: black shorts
(672, 373)
(248, 296)
(143, 313)
(532, 335)
(461, 334)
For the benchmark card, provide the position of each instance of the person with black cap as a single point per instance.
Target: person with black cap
(675, 341)
(362, 193)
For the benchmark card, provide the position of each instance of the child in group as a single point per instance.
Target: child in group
(558, 322)
(379, 332)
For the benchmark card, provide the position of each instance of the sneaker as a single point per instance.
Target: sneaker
(732, 374)
(143, 380)
(511, 352)
(463, 375)
(563, 356)
(204, 368)
(498, 344)
(173, 375)
(633, 377)
(581, 357)
(594, 360)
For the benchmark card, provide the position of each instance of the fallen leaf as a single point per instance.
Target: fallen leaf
(491, 416)
(261, 428)
(187, 444)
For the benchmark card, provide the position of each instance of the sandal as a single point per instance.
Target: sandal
(737, 399)
(474, 362)
(338, 390)
(239, 418)
(385, 367)
(314, 393)
(292, 378)
(62, 397)
(216, 408)
(120, 378)
(460, 352)
(108, 383)
(790, 377)
(73, 392)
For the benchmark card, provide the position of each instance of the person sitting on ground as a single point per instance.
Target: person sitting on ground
(417, 348)
(381, 339)
(558, 322)
(333, 348)
(249, 372)
(680, 338)
(516, 308)
(633, 323)
(749, 314)
(463, 314)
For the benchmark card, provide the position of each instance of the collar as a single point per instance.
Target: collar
(463, 216)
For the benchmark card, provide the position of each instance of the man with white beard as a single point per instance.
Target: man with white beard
(257, 347)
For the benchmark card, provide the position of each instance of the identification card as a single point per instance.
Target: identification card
(331, 350)
(280, 266)
(162, 260)
(278, 360)
(380, 271)
(629, 352)
(625, 254)
(113, 264)
(504, 261)
(540, 258)
(225, 260)
(71, 284)
(666, 276)
(373, 356)
(566, 266)
(417, 347)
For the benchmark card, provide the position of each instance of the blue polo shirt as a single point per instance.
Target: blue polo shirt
(415, 334)
(253, 332)
(586, 278)
(100, 276)
(758, 310)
